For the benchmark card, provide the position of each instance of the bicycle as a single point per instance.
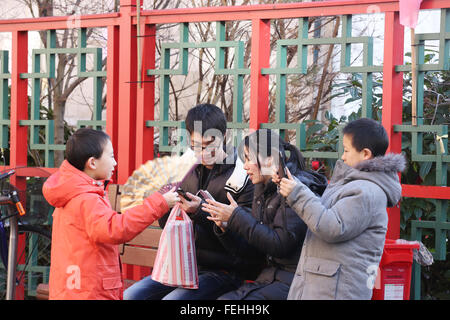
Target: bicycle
(33, 257)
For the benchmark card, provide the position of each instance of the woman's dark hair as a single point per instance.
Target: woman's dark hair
(265, 143)
(83, 144)
(368, 133)
(210, 116)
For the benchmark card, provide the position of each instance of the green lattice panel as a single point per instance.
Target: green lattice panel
(165, 72)
(4, 100)
(36, 123)
(441, 224)
(302, 42)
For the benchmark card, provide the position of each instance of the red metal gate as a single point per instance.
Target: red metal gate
(130, 105)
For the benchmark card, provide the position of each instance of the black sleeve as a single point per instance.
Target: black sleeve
(235, 244)
(278, 240)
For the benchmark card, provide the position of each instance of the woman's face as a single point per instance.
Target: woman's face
(253, 170)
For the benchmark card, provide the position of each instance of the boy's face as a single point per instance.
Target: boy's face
(104, 166)
(351, 156)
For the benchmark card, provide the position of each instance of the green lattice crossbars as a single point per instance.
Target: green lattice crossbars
(302, 42)
(238, 72)
(281, 70)
(50, 52)
(441, 224)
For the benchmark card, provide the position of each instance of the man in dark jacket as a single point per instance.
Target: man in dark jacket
(219, 269)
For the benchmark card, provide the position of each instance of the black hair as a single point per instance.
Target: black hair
(83, 144)
(210, 116)
(265, 143)
(367, 133)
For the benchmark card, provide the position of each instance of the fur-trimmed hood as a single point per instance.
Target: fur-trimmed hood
(382, 170)
(387, 163)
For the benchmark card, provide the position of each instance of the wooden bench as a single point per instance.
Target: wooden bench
(141, 251)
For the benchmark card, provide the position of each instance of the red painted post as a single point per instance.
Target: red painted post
(112, 85)
(19, 111)
(126, 152)
(145, 111)
(146, 97)
(260, 58)
(127, 93)
(392, 99)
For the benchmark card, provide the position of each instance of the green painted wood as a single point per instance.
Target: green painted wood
(166, 70)
(38, 125)
(4, 101)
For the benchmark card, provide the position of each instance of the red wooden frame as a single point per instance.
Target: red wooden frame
(130, 104)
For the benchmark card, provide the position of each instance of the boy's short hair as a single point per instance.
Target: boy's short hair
(368, 133)
(83, 144)
(210, 116)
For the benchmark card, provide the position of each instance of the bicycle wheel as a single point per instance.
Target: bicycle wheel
(33, 261)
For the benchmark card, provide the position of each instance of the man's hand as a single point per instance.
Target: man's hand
(190, 206)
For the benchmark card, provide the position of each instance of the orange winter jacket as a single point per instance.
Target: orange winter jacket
(86, 232)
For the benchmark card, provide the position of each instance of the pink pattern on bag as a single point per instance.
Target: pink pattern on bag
(176, 262)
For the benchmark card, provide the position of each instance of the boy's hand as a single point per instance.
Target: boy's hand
(287, 184)
(171, 197)
(192, 205)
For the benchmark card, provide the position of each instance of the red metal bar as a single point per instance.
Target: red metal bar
(127, 95)
(112, 94)
(278, 11)
(127, 105)
(56, 23)
(266, 11)
(146, 97)
(392, 99)
(259, 91)
(19, 99)
(428, 192)
(19, 111)
(145, 111)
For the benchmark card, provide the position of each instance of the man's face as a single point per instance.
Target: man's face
(208, 147)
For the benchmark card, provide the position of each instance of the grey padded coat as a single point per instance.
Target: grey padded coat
(346, 229)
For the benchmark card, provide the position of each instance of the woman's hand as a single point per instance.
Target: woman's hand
(171, 197)
(190, 206)
(220, 212)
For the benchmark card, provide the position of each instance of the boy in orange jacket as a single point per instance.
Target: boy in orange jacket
(86, 230)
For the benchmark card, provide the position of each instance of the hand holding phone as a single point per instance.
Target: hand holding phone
(281, 166)
(182, 193)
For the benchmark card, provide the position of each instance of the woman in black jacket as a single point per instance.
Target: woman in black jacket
(273, 228)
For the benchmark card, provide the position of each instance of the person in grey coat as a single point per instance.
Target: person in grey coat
(347, 225)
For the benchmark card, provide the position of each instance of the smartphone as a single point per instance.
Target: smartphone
(182, 193)
(205, 195)
(282, 173)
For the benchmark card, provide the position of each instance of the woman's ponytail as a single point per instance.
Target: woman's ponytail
(296, 161)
